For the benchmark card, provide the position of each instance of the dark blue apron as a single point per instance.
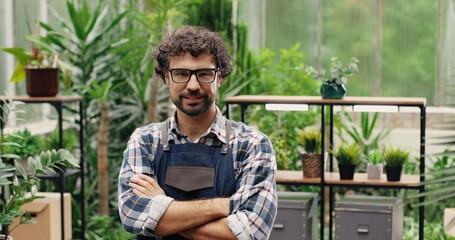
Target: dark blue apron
(193, 171)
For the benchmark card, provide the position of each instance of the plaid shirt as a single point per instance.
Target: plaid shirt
(253, 205)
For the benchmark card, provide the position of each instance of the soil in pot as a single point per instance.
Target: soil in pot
(311, 165)
(393, 173)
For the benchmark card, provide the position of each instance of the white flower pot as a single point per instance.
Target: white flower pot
(374, 171)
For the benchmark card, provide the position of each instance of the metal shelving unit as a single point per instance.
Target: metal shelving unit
(58, 103)
(330, 179)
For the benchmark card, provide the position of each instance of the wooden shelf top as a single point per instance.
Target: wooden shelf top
(256, 99)
(333, 178)
(44, 99)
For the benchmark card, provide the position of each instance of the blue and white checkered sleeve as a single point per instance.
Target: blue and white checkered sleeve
(254, 205)
(139, 215)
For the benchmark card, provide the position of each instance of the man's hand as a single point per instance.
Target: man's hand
(144, 185)
(197, 219)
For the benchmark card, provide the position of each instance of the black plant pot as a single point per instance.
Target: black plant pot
(347, 171)
(393, 173)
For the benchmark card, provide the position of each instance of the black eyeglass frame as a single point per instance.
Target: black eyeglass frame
(195, 73)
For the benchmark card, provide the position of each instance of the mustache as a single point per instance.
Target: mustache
(193, 94)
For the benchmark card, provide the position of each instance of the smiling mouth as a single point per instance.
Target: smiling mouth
(193, 99)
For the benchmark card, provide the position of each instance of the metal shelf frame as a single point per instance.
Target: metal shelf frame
(327, 108)
(58, 103)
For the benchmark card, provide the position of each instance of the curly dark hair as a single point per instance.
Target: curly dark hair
(196, 41)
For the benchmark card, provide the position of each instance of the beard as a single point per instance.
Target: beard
(195, 109)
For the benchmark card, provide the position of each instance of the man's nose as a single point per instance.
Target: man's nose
(193, 83)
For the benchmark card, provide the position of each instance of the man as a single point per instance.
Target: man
(197, 175)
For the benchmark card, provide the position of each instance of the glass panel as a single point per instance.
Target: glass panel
(349, 31)
(3, 76)
(289, 22)
(408, 51)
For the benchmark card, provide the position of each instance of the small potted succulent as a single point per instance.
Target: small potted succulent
(374, 165)
(348, 157)
(310, 156)
(334, 87)
(395, 158)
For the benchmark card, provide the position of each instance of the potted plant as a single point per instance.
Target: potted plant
(374, 165)
(310, 141)
(348, 157)
(22, 189)
(334, 87)
(395, 158)
(38, 66)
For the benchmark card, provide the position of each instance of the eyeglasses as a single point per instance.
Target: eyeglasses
(203, 75)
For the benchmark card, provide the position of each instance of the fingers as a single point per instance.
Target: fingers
(144, 185)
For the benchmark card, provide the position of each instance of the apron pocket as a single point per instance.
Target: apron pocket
(188, 178)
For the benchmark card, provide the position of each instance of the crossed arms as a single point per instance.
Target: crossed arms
(198, 219)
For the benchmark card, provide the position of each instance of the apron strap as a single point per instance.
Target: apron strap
(165, 139)
(225, 147)
(164, 136)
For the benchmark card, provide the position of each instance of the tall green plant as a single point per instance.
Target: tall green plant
(364, 133)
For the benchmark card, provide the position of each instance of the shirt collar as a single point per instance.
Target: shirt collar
(217, 128)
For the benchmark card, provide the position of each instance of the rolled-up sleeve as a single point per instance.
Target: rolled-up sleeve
(139, 215)
(254, 205)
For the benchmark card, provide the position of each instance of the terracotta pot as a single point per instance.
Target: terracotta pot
(42, 82)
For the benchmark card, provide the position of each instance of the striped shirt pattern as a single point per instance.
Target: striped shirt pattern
(253, 205)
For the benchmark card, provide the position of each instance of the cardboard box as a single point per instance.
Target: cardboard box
(46, 212)
(449, 221)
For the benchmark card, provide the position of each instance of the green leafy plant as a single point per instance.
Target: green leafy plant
(374, 156)
(310, 140)
(281, 152)
(362, 133)
(30, 144)
(23, 188)
(52, 141)
(395, 156)
(339, 73)
(347, 153)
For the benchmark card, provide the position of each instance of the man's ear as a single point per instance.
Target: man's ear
(166, 77)
(219, 80)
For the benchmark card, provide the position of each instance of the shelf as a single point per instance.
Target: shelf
(333, 179)
(58, 102)
(263, 99)
(57, 176)
(58, 99)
